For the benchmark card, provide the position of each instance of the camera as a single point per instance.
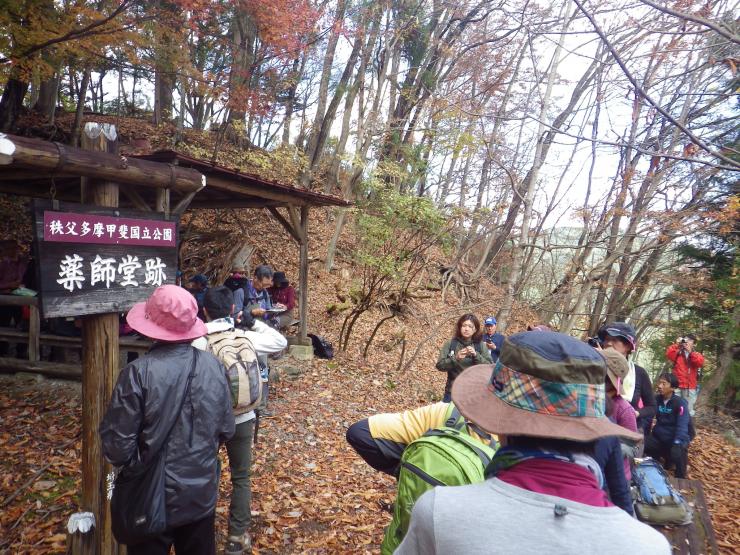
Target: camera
(682, 340)
(595, 342)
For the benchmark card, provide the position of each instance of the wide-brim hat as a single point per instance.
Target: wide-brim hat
(169, 314)
(279, 278)
(617, 368)
(545, 384)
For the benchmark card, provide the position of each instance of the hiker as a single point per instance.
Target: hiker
(492, 339)
(199, 287)
(381, 439)
(545, 401)
(262, 340)
(670, 438)
(174, 401)
(237, 278)
(421, 448)
(257, 299)
(463, 350)
(282, 294)
(622, 412)
(686, 365)
(637, 387)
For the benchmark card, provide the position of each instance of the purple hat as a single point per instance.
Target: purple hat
(170, 314)
(622, 330)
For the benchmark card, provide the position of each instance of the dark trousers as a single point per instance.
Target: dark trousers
(239, 449)
(671, 453)
(195, 538)
(358, 436)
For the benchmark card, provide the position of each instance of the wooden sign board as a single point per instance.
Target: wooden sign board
(94, 260)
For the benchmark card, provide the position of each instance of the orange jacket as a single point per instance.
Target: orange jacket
(685, 368)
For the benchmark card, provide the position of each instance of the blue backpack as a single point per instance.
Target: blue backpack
(656, 501)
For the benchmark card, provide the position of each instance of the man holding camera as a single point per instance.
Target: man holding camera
(686, 365)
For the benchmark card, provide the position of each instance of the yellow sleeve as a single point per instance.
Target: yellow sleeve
(405, 427)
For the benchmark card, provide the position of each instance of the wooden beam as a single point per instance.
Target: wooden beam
(285, 223)
(181, 206)
(303, 275)
(51, 369)
(38, 155)
(30, 175)
(136, 199)
(295, 220)
(163, 202)
(244, 188)
(225, 203)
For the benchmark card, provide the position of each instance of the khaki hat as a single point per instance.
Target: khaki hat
(617, 368)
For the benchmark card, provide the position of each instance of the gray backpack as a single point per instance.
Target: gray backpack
(234, 349)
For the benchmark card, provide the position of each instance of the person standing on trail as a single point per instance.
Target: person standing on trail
(686, 364)
(492, 338)
(143, 420)
(465, 349)
(636, 385)
(263, 340)
(545, 401)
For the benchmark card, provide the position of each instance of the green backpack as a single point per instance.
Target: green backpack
(445, 456)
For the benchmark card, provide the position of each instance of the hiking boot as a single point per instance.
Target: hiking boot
(238, 545)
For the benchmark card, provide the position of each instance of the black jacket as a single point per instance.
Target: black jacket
(644, 392)
(145, 401)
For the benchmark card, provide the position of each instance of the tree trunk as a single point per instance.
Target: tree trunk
(725, 361)
(11, 103)
(77, 125)
(331, 48)
(47, 100)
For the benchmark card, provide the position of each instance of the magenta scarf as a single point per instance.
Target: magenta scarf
(558, 478)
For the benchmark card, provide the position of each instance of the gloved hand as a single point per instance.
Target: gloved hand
(677, 452)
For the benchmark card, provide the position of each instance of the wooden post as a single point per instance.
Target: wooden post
(34, 332)
(100, 367)
(303, 275)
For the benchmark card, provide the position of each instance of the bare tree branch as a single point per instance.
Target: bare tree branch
(638, 88)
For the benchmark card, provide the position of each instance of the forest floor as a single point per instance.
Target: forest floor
(311, 493)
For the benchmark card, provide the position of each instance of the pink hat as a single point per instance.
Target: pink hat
(170, 314)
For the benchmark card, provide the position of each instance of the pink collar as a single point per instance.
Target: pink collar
(557, 478)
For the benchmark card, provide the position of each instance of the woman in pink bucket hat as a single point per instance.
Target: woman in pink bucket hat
(545, 400)
(170, 408)
(170, 314)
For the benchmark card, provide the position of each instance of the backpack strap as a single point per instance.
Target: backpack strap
(457, 421)
(454, 418)
(482, 455)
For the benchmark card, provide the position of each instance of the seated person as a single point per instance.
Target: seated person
(198, 289)
(669, 438)
(254, 296)
(237, 278)
(282, 294)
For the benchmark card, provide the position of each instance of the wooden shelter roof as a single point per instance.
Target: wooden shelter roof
(228, 188)
(44, 169)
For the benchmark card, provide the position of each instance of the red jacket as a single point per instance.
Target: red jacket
(686, 369)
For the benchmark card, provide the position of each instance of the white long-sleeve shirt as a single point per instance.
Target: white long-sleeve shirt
(265, 340)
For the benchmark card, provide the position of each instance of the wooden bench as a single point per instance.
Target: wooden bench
(697, 538)
(34, 338)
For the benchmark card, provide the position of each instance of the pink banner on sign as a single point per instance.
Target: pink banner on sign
(70, 227)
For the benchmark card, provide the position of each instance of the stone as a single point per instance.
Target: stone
(301, 352)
